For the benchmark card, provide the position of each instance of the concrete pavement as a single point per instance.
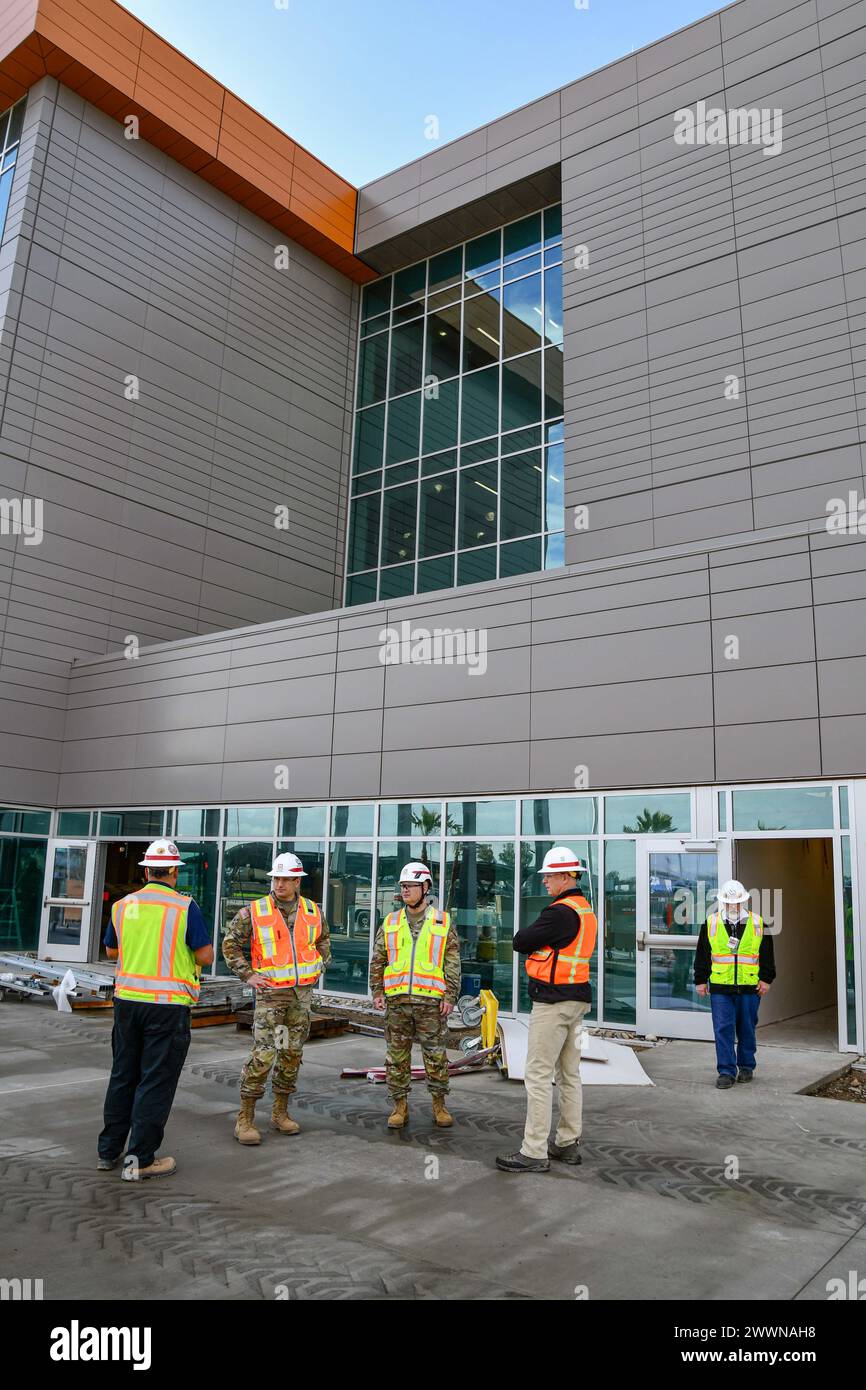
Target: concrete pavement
(685, 1192)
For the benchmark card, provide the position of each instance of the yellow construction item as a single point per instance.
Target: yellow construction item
(490, 1004)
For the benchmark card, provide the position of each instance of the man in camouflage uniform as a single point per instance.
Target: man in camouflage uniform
(416, 981)
(288, 955)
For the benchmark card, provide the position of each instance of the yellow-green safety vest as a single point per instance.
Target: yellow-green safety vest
(726, 968)
(416, 966)
(154, 965)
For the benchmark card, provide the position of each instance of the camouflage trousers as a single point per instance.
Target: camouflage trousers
(280, 1030)
(406, 1023)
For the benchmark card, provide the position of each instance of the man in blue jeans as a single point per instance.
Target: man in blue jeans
(734, 960)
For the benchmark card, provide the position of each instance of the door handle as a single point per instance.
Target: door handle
(641, 940)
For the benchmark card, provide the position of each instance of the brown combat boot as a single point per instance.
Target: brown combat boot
(400, 1114)
(280, 1117)
(245, 1130)
(443, 1119)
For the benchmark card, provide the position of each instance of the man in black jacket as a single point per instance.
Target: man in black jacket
(559, 945)
(737, 966)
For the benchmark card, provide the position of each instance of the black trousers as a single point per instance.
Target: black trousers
(149, 1043)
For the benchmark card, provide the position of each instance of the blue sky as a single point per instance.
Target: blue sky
(355, 80)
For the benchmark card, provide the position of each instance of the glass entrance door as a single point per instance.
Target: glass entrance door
(677, 887)
(67, 906)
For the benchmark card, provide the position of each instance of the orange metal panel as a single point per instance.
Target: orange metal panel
(96, 32)
(99, 50)
(178, 92)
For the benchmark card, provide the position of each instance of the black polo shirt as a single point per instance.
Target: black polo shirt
(556, 925)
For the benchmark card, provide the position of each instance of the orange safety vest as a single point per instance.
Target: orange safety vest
(567, 965)
(287, 958)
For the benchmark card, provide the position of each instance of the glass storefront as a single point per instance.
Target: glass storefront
(484, 855)
(533, 897)
(620, 925)
(22, 873)
(350, 915)
(478, 891)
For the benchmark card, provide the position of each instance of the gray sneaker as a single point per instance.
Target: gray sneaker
(103, 1165)
(566, 1153)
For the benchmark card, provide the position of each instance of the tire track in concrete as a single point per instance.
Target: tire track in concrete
(217, 1249)
(668, 1175)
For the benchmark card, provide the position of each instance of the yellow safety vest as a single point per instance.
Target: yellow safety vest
(726, 968)
(154, 964)
(416, 965)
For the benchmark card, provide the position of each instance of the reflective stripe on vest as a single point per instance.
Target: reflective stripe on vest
(286, 958)
(727, 968)
(568, 965)
(154, 963)
(416, 966)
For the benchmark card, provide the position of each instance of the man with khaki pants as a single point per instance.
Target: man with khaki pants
(559, 947)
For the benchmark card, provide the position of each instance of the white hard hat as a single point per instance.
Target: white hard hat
(415, 873)
(287, 866)
(733, 892)
(161, 854)
(560, 860)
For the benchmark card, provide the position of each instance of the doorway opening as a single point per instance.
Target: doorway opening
(795, 885)
(121, 875)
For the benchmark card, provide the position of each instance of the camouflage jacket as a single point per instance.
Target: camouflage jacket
(238, 934)
(452, 962)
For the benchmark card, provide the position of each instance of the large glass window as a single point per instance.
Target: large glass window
(350, 915)
(250, 820)
(648, 814)
(192, 822)
(478, 892)
(559, 815)
(460, 365)
(533, 898)
(422, 848)
(784, 808)
(26, 822)
(11, 123)
(128, 825)
(246, 876)
(620, 931)
(848, 918)
(22, 873)
(198, 876)
(480, 818)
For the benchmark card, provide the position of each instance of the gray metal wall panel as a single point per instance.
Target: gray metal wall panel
(625, 668)
(159, 511)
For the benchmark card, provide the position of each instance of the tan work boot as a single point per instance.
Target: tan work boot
(443, 1119)
(159, 1168)
(400, 1114)
(245, 1130)
(280, 1117)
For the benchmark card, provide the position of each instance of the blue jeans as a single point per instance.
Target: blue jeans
(735, 1014)
(149, 1043)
